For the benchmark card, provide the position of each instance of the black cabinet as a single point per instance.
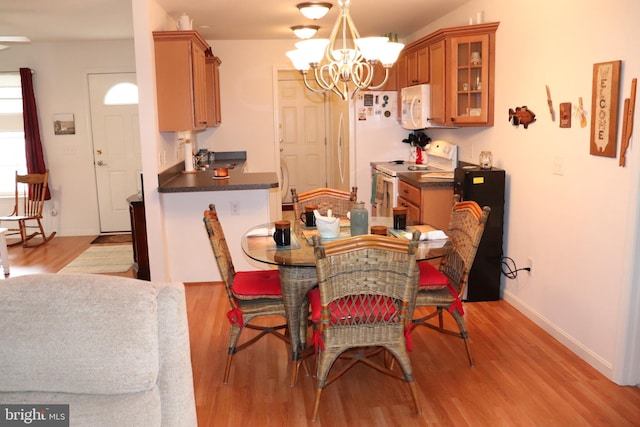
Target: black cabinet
(486, 187)
(139, 237)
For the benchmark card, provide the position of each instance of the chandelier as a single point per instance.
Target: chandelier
(344, 66)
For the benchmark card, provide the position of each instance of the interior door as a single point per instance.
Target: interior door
(303, 147)
(116, 147)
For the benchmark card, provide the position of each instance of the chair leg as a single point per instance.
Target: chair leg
(45, 238)
(463, 334)
(227, 368)
(414, 395)
(234, 336)
(316, 405)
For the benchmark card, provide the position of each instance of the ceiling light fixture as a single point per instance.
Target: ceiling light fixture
(305, 31)
(351, 64)
(314, 10)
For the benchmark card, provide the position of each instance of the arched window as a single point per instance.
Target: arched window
(122, 94)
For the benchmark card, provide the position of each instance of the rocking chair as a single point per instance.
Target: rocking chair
(29, 203)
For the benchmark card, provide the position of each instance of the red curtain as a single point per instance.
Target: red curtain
(33, 144)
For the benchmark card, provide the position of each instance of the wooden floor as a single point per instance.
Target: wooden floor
(522, 377)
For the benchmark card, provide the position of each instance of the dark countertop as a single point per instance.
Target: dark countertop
(420, 179)
(174, 180)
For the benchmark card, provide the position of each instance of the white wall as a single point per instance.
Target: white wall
(580, 228)
(246, 90)
(60, 85)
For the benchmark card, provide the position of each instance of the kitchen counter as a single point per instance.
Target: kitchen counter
(175, 180)
(421, 179)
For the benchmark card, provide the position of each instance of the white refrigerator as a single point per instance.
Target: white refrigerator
(376, 136)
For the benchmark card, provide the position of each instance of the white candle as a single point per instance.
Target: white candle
(188, 156)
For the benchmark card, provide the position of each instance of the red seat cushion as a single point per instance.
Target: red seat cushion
(431, 277)
(314, 302)
(248, 285)
(347, 311)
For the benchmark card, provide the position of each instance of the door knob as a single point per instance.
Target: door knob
(101, 163)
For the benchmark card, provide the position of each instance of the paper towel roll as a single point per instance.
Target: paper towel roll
(188, 156)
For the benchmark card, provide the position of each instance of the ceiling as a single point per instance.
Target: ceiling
(65, 20)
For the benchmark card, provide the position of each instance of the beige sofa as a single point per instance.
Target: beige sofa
(116, 350)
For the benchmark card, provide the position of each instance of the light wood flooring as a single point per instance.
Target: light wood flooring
(522, 377)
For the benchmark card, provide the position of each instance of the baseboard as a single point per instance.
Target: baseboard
(586, 354)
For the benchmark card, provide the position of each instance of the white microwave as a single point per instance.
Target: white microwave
(416, 107)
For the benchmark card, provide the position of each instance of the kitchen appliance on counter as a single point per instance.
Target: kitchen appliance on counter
(441, 162)
(486, 187)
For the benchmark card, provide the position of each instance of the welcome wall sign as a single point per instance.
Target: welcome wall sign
(604, 108)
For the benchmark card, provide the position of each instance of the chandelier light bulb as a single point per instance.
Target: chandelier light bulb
(314, 10)
(305, 31)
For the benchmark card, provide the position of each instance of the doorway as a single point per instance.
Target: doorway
(302, 129)
(116, 146)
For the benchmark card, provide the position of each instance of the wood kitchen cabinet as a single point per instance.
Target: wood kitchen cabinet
(214, 112)
(413, 65)
(412, 68)
(462, 75)
(409, 197)
(426, 205)
(181, 80)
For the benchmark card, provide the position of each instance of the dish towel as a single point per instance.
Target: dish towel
(377, 188)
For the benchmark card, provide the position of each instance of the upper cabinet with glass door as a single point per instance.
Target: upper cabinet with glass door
(471, 91)
(463, 72)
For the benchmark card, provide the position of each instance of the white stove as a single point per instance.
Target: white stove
(441, 161)
(441, 156)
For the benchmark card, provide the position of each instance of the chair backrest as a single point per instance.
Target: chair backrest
(31, 190)
(340, 202)
(466, 227)
(366, 280)
(220, 250)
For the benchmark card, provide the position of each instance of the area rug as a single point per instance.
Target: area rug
(102, 259)
(112, 238)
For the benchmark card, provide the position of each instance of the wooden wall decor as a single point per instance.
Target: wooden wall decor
(604, 108)
(627, 122)
(521, 116)
(565, 114)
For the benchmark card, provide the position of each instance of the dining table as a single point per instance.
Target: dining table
(296, 263)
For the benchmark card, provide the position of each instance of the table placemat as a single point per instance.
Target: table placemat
(295, 244)
(309, 233)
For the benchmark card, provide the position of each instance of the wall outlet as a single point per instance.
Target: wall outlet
(558, 165)
(530, 264)
(235, 208)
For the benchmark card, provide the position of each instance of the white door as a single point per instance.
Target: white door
(303, 147)
(116, 146)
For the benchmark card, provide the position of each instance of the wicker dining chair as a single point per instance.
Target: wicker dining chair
(444, 287)
(340, 202)
(366, 287)
(30, 192)
(251, 294)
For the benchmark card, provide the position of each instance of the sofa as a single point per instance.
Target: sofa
(115, 349)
